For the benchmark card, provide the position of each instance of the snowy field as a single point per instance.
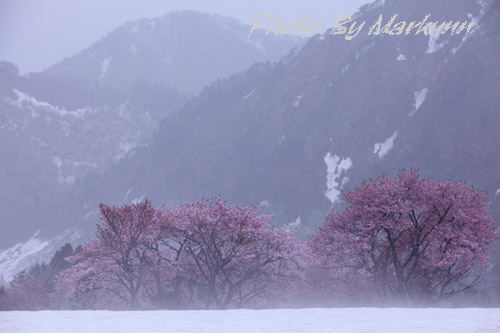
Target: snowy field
(264, 321)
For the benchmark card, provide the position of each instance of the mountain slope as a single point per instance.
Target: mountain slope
(62, 128)
(185, 50)
(93, 109)
(290, 136)
(53, 133)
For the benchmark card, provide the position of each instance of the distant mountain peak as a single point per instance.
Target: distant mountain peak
(184, 50)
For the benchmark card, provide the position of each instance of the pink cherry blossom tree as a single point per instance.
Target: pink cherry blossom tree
(117, 262)
(405, 238)
(231, 256)
(29, 290)
(164, 283)
(202, 255)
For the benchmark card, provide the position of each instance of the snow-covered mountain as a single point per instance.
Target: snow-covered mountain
(185, 50)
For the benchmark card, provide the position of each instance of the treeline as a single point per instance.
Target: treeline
(402, 241)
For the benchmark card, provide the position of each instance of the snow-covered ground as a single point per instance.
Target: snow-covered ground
(263, 321)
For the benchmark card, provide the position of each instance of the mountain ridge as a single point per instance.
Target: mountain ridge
(332, 114)
(158, 51)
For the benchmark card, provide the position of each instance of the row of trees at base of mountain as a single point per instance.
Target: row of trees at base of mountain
(400, 240)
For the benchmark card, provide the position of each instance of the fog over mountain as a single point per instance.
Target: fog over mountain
(185, 50)
(290, 136)
(64, 127)
(285, 136)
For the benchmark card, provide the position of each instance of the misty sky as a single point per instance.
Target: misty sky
(35, 34)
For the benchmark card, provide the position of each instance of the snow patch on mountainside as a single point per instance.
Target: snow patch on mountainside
(125, 148)
(419, 99)
(264, 203)
(10, 258)
(292, 226)
(433, 45)
(105, 66)
(63, 165)
(381, 149)
(249, 94)
(484, 8)
(59, 165)
(297, 101)
(364, 49)
(336, 167)
(25, 101)
(35, 250)
(258, 45)
(133, 49)
(137, 201)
